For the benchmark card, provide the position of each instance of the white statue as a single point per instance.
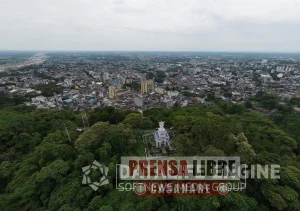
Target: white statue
(161, 136)
(161, 126)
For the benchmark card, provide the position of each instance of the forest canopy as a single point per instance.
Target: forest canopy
(40, 166)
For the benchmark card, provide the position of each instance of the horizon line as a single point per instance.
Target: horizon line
(183, 51)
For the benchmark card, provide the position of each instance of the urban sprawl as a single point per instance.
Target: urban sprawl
(144, 80)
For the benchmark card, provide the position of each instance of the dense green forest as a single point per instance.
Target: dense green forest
(41, 168)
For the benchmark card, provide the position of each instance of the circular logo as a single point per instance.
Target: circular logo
(223, 188)
(140, 189)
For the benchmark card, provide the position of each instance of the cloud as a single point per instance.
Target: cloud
(150, 24)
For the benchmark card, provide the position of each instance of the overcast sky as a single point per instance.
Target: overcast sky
(196, 25)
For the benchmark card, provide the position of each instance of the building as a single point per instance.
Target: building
(119, 82)
(147, 86)
(173, 93)
(161, 136)
(160, 90)
(104, 76)
(112, 92)
(139, 101)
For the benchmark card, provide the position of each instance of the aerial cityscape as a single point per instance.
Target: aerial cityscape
(150, 105)
(144, 80)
